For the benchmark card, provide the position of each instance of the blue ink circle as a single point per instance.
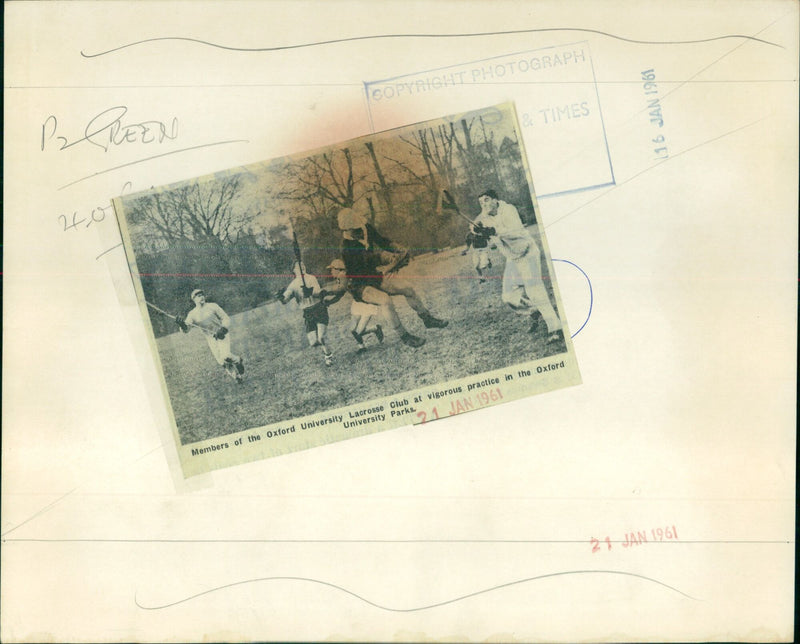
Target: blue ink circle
(591, 293)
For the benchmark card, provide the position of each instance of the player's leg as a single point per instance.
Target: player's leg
(217, 349)
(365, 313)
(513, 292)
(327, 354)
(476, 264)
(230, 368)
(378, 331)
(529, 268)
(356, 311)
(221, 350)
(310, 325)
(357, 331)
(394, 285)
(375, 329)
(483, 261)
(224, 348)
(361, 324)
(322, 328)
(236, 363)
(381, 299)
(370, 311)
(321, 319)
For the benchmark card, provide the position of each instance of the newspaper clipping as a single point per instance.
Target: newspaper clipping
(389, 280)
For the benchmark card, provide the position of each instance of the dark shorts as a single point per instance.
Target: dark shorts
(314, 315)
(479, 241)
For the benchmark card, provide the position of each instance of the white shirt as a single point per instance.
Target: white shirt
(209, 317)
(515, 241)
(295, 290)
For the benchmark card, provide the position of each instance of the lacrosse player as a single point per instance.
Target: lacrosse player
(480, 253)
(523, 286)
(306, 290)
(361, 252)
(361, 312)
(214, 323)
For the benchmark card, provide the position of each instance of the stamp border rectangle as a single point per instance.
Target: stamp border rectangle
(549, 195)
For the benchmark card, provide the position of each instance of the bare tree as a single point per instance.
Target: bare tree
(436, 146)
(321, 182)
(385, 192)
(199, 212)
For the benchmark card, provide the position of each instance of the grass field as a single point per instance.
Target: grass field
(286, 379)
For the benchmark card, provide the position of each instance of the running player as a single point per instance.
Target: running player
(305, 289)
(523, 286)
(480, 253)
(214, 323)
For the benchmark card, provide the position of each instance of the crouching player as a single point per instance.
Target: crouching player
(361, 312)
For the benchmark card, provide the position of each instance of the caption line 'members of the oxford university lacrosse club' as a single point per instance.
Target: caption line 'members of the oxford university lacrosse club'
(389, 280)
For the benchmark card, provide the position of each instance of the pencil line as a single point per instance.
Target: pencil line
(360, 85)
(157, 156)
(417, 608)
(655, 165)
(39, 513)
(108, 250)
(320, 43)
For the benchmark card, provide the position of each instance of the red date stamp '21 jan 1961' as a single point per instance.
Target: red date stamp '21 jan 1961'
(631, 539)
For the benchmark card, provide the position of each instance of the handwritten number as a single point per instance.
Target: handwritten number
(95, 217)
(595, 545)
(98, 214)
(75, 221)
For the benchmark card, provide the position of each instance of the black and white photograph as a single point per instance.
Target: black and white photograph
(391, 266)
